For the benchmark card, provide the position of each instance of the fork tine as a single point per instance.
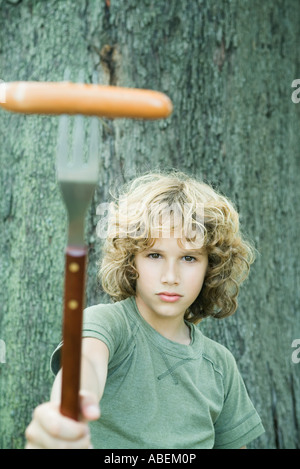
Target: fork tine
(78, 135)
(78, 141)
(67, 74)
(94, 137)
(62, 151)
(62, 143)
(93, 160)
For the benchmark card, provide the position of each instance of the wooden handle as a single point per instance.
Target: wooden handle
(87, 99)
(72, 330)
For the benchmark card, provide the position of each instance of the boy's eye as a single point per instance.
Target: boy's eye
(154, 255)
(189, 258)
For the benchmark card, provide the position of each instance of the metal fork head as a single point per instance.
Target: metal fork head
(77, 173)
(72, 162)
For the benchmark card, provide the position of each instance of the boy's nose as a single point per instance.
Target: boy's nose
(170, 274)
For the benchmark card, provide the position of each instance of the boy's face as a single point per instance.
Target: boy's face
(170, 279)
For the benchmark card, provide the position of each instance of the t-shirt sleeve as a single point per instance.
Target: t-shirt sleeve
(238, 423)
(107, 324)
(104, 324)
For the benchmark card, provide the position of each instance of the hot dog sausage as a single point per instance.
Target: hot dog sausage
(87, 99)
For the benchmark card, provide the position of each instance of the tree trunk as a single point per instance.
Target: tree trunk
(228, 67)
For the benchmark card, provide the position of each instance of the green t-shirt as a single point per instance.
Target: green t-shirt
(162, 394)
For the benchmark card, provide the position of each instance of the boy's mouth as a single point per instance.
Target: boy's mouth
(169, 297)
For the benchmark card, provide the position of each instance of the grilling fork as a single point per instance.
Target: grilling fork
(77, 179)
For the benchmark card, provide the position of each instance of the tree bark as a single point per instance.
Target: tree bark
(228, 67)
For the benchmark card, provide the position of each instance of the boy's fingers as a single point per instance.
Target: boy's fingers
(89, 406)
(58, 426)
(38, 438)
(50, 429)
(31, 446)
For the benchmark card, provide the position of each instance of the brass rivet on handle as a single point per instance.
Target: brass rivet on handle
(73, 267)
(73, 304)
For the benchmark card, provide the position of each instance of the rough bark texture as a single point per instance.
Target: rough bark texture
(228, 67)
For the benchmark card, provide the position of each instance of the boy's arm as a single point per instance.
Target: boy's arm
(50, 429)
(94, 363)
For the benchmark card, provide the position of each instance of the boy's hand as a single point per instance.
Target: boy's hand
(49, 429)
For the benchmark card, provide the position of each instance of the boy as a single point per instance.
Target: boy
(174, 254)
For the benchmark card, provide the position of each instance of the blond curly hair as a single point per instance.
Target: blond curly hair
(202, 215)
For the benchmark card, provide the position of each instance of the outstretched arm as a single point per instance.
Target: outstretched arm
(49, 428)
